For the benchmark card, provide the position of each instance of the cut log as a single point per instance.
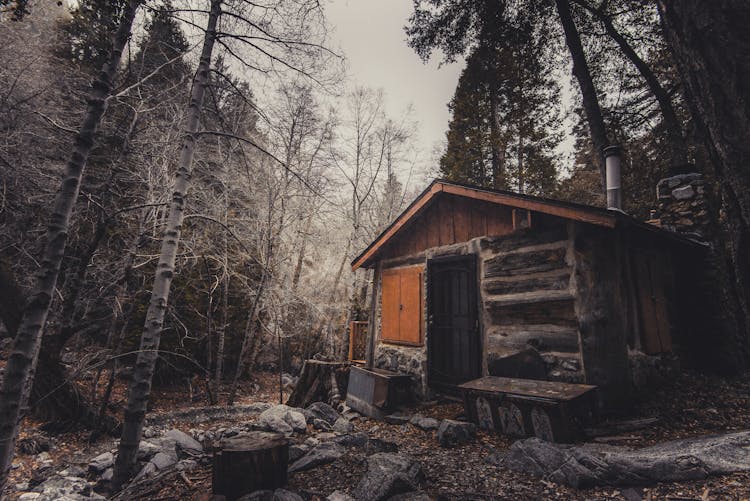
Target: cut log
(320, 381)
(250, 462)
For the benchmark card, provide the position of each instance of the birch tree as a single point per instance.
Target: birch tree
(14, 392)
(140, 391)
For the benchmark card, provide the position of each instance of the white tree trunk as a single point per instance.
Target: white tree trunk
(140, 388)
(19, 371)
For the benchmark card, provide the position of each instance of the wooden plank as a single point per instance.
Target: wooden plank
(499, 220)
(447, 236)
(591, 216)
(411, 319)
(432, 222)
(461, 220)
(543, 337)
(529, 387)
(556, 280)
(546, 207)
(524, 238)
(391, 303)
(524, 263)
(658, 271)
(557, 311)
(417, 207)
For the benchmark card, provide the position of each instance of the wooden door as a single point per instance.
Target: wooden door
(453, 344)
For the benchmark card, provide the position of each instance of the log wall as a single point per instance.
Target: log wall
(528, 300)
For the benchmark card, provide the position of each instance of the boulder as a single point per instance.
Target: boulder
(451, 433)
(321, 424)
(351, 439)
(148, 469)
(283, 419)
(163, 460)
(147, 450)
(589, 466)
(322, 454)
(424, 423)
(342, 425)
(387, 475)
(322, 410)
(101, 463)
(184, 441)
(297, 451)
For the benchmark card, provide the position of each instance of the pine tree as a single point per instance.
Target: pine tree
(503, 133)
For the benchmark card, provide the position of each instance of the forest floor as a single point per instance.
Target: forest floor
(690, 405)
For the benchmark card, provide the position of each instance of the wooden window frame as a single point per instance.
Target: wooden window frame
(400, 272)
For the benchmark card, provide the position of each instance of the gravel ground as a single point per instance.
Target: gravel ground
(690, 405)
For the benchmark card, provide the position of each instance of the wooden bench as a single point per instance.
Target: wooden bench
(551, 410)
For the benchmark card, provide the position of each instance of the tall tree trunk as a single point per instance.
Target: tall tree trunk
(14, 392)
(221, 331)
(677, 145)
(588, 91)
(140, 388)
(710, 44)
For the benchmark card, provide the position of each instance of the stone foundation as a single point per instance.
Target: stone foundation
(405, 360)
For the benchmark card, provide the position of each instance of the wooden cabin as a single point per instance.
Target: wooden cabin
(470, 282)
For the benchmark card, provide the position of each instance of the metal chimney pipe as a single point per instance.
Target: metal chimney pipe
(614, 185)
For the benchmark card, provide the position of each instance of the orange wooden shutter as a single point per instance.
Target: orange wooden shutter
(411, 305)
(391, 305)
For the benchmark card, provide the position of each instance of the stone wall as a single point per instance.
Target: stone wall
(683, 205)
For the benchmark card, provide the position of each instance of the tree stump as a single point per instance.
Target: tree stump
(250, 462)
(320, 381)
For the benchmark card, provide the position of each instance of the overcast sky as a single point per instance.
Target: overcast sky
(371, 34)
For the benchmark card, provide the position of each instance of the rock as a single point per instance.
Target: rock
(388, 475)
(283, 419)
(375, 445)
(452, 433)
(297, 451)
(163, 460)
(683, 193)
(26, 496)
(343, 425)
(21, 486)
(411, 496)
(73, 471)
(321, 424)
(322, 454)
(339, 496)
(570, 364)
(146, 450)
(184, 441)
(397, 418)
(148, 469)
(101, 462)
(590, 466)
(322, 410)
(187, 465)
(351, 439)
(424, 423)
